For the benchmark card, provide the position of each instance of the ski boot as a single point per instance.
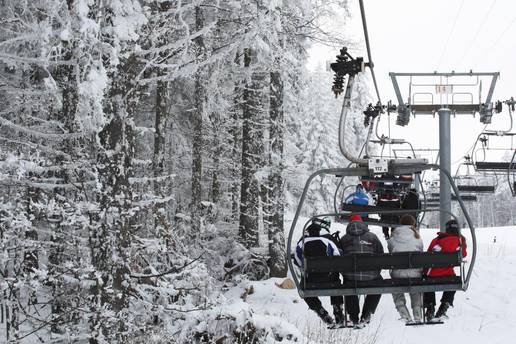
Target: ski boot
(430, 313)
(441, 312)
(364, 321)
(340, 320)
(325, 317)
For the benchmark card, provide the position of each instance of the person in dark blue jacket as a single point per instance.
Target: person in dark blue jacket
(315, 245)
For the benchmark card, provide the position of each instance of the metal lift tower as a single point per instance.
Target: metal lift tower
(445, 94)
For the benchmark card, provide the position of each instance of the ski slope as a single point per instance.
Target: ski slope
(486, 313)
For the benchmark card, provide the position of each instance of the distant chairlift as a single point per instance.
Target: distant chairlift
(465, 197)
(498, 167)
(469, 182)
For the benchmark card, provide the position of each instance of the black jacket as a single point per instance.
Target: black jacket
(411, 201)
(359, 239)
(394, 204)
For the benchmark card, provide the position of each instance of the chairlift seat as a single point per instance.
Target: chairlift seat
(477, 188)
(374, 222)
(494, 166)
(389, 179)
(359, 262)
(467, 197)
(390, 282)
(372, 209)
(354, 263)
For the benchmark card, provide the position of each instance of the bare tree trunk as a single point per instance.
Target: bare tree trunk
(111, 240)
(197, 123)
(217, 153)
(160, 186)
(30, 258)
(236, 146)
(65, 78)
(277, 253)
(252, 154)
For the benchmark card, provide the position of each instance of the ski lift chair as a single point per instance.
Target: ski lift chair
(367, 262)
(495, 168)
(469, 183)
(464, 197)
(491, 166)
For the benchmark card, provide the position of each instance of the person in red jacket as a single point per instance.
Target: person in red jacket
(450, 241)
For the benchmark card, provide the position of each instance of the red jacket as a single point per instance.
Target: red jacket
(446, 242)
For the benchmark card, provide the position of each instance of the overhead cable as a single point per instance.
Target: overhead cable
(474, 40)
(368, 47)
(451, 33)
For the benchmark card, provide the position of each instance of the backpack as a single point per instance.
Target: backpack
(335, 238)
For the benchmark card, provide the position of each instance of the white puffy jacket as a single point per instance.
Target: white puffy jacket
(403, 240)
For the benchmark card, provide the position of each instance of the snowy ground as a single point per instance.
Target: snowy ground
(486, 313)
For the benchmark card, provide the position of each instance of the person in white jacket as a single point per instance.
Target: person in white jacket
(406, 238)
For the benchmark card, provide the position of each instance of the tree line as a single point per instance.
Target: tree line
(148, 152)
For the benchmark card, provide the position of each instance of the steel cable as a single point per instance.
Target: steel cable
(368, 47)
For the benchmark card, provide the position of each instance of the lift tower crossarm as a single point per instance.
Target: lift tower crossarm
(442, 94)
(485, 107)
(446, 74)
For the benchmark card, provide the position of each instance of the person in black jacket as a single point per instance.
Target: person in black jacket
(389, 200)
(411, 202)
(315, 245)
(359, 239)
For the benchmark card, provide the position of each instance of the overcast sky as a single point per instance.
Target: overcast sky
(442, 35)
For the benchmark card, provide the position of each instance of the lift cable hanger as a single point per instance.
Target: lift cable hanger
(377, 110)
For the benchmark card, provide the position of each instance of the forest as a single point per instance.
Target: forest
(151, 153)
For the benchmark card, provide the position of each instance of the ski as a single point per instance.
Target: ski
(339, 326)
(425, 323)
